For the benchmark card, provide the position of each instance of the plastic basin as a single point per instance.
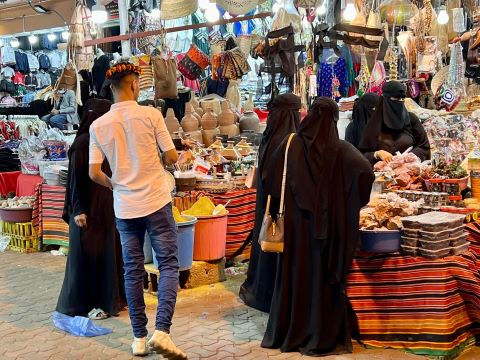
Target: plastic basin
(386, 241)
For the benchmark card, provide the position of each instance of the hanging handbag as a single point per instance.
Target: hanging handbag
(165, 74)
(193, 64)
(271, 237)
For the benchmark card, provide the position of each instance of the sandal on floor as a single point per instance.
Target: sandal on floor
(98, 314)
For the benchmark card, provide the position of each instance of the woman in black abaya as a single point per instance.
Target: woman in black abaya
(94, 271)
(283, 119)
(328, 181)
(362, 111)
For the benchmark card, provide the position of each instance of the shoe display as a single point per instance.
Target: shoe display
(162, 343)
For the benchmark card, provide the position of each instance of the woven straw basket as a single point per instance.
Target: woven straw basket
(174, 9)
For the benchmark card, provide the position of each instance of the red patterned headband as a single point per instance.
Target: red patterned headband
(120, 68)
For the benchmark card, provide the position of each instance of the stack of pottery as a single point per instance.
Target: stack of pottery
(190, 124)
(171, 121)
(209, 125)
(228, 121)
(249, 122)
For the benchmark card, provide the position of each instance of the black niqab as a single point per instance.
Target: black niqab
(362, 111)
(394, 113)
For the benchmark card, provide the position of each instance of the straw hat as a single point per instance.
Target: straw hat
(174, 9)
(239, 7)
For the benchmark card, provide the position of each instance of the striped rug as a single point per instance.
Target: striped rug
(427, 307)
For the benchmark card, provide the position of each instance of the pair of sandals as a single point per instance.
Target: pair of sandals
(98, 314)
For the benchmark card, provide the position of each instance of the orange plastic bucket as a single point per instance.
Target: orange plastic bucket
(210, 238)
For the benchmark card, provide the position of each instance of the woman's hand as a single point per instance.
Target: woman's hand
(383, 155)
(81, 221)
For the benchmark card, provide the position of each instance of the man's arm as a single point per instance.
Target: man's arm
(170, 157)
(164, 139)
(96, 157)
(97, 175)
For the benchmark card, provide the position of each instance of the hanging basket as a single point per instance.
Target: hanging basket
(175, 9)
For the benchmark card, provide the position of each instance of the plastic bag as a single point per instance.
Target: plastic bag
(4, 241)
(78, 325)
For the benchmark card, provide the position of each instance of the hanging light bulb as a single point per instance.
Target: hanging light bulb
(99, 14)
(350, 12)
(14, 43)
(65, 35)
(212, 14)
(155, 13)
(51, 37)
(33, 39)
(443, 17)
(203, 4)
(321, 10)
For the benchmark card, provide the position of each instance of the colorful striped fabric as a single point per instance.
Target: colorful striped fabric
(427, 307)
(47, 215)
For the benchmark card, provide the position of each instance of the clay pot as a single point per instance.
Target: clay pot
(171, 121)
(213, 104)
(248, 106)
(209, 136)
(196, 135)
(209, 120)
(199, 111)
(227, 116)
(191, 108)
(249, 121)
(193, 100)
(230, 130)
(189, 122)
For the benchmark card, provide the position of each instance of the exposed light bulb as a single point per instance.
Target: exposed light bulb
(203, 4)
(212, 14)
(65, 35)
(350, 12)
(52, 37)
(14, 43)
(321, 10)
(99, 14)
(33, 39)
(155, 13)
(443, 17)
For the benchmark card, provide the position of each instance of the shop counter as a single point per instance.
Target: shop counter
(8, 182)
(427, 307)
(26, 184)
(47, 215)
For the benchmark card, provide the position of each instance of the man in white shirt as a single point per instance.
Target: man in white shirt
(131, 136)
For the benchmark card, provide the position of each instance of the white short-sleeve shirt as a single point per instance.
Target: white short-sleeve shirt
(129, 136)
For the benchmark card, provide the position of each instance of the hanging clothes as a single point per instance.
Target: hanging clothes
(326, 72)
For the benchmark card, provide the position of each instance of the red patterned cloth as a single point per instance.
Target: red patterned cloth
(26, 184)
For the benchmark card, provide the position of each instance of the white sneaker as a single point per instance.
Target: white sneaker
(161, 343)
(139, 347)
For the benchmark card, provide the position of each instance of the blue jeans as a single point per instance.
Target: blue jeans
(163, 234)
(56, 121)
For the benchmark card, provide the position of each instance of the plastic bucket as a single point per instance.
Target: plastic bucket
(210, 238)
(185, 240)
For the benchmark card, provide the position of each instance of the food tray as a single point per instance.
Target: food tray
(459, 240)
(458, 250)
(412, 233)
(410, 223)
(435, 254)
(409, 250)
(434, 221)
(435, 245)
(441, 235)
(410, 241)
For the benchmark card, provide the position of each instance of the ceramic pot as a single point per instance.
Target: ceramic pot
(227, 116)
(213, 104)
(189, 122)
(199, 111)
(249, 122)
(209, 120)
(209, 136)
(248, 106)
(171, 121)
(230, 130)
(194, 101)
(191, 108)
(195, 135)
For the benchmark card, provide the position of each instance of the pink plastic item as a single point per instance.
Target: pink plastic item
(210, 238)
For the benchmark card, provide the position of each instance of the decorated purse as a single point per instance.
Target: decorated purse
(193, 64)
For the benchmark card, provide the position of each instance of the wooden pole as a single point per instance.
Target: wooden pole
(174, 29)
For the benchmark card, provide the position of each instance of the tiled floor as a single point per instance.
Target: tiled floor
(209, 322)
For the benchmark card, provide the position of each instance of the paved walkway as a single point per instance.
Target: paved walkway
(209, 323)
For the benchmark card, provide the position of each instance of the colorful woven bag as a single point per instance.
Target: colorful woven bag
(193, 64)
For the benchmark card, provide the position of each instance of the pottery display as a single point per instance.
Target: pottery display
(217, 145)
(209, 136)
(199, 112)
(227, 116)
(194, 101)
(243, 147)
(230, 130)
(195, 135)
(213, 104)
(249, 122)
(209, 120)
(171, 121)
(194, 113)
(189, 122)
(230, 153)
(249, 106)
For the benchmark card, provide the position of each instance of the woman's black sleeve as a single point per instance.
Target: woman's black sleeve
(421, 146)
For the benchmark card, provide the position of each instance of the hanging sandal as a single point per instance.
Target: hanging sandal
(98, 314)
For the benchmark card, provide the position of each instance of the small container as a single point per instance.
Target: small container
(410, 223)
(435, 245)
(441, 235)
(458, 240)
(458, 250)
(436, 185)
(435, 254)
(411, 233)
(444, 199)
(409, 250)
(410, 241)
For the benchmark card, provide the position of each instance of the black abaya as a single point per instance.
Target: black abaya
(94, 271)
(328, 181)
(283, 119)
(362, 111)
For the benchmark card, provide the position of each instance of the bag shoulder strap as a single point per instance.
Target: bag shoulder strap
(284, 177)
